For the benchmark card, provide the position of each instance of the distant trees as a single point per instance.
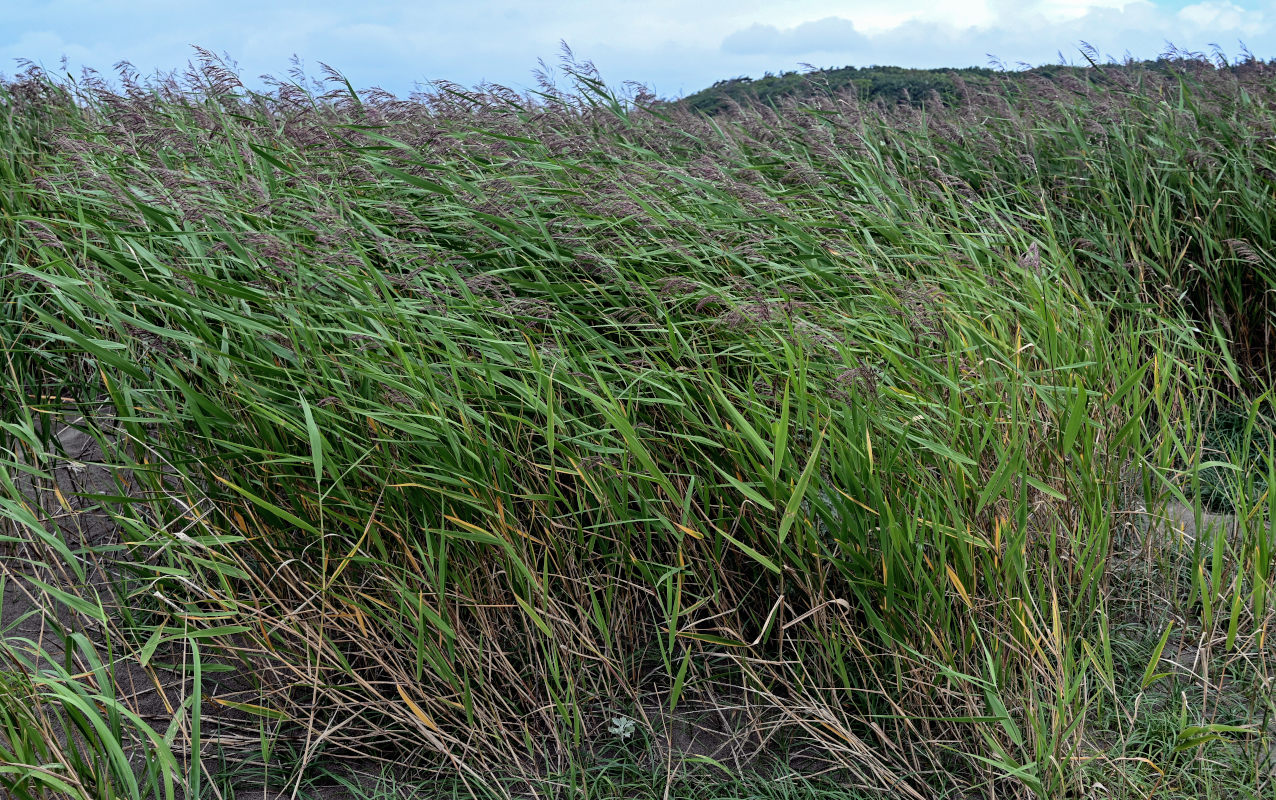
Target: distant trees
(894, 85)
(891, 84)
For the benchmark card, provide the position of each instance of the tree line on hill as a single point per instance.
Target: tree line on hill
(894, 85)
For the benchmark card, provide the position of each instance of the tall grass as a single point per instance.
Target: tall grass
(473, 432)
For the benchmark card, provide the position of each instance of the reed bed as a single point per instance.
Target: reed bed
(527, 441)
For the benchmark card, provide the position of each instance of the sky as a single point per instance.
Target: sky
(675, 47)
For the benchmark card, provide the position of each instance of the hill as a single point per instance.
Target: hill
(892, 85)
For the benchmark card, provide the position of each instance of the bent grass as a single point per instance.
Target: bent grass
(445, 432)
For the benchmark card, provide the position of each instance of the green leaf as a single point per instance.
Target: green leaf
(1150, 675)
(1076, 418)
(754, 554)
(799, 491)
(412, 180)
(316, 440)
(534, 617)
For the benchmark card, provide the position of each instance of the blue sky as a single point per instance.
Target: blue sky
(675, 46)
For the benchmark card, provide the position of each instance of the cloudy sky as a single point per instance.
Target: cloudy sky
(674, 46)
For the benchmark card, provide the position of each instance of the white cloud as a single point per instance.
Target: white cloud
(829, 35)
(1071, 10)
(1222, 16)
(1032, 33)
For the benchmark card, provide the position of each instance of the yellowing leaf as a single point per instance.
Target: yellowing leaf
(416, 710)
(961, 590)
(694, 534)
